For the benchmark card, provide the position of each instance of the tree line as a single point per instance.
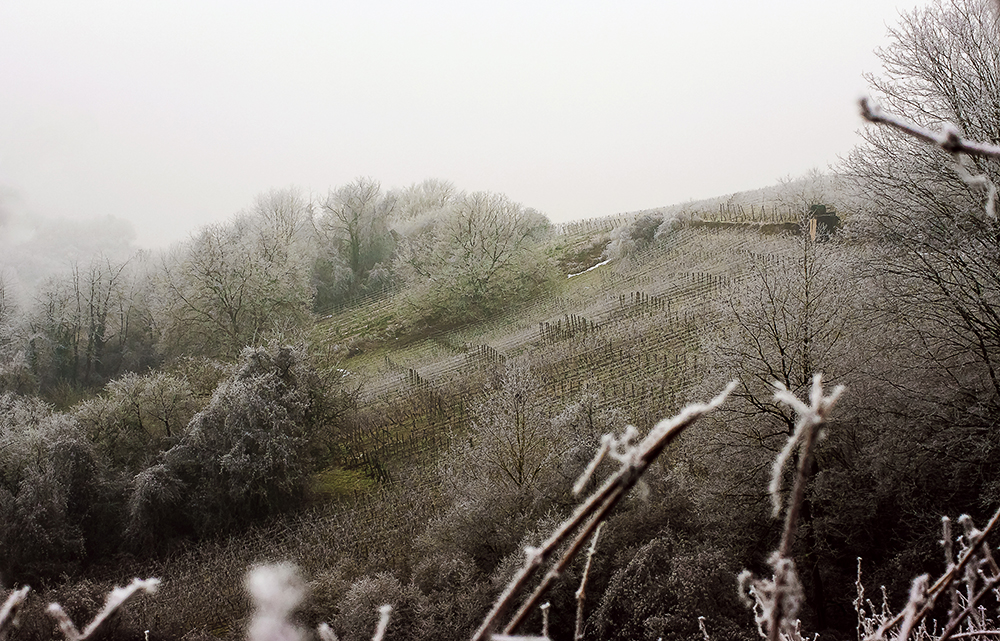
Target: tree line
(458, 256)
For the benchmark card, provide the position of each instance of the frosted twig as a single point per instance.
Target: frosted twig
(982, 181)
(10, 608)
(918, 596)
(589, 515)
(811, 418)
(945, 580)
(782, 597)
(865, 623)
(758, 596)
(973, 537)
(276, 591)
(115, 600)
(581, 592)
(779, 599)
(786, 587)
(969, 609)
(949, 560)
(326, 633)
(622, 448)
(948, 138)
(383, 622)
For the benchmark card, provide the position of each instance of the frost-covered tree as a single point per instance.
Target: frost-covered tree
(517, 463)
(137, 417)
(789, 316)
(234, 283)
(355, 243)
(248, 454)
(479, 255)
(932, 211)
(421, 203)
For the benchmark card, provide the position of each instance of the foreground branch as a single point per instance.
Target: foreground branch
(115, 600)
(589, 516)
(10, 608)
(928, 599)
(776, 601)
(948, 138)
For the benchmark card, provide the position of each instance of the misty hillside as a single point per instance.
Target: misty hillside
(396, 391)
(423, 412)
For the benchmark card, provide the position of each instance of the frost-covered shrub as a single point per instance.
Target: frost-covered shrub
(249, 453)
(52, 494)
(634, 238)
(359, 610)
(669, 224)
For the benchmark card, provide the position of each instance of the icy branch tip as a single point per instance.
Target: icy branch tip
(686, 416)
(383, 622)
(870, 110)
(819, 406)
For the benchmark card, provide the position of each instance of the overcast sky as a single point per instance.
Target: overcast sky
(174, 114)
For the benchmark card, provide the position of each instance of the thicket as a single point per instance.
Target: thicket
(146, 462)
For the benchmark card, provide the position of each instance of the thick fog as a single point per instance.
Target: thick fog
(34, 247)
(170, 115)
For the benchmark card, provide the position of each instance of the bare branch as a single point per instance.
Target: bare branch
(8, 612)
(582, 590)
(776, 601)
(383, 622)
(115, 600)
(590, 514)
(944, 581)
(947, 139)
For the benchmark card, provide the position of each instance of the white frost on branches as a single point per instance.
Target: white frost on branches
(811, 417)
(10, 608)
(115, 600)
(948, 139)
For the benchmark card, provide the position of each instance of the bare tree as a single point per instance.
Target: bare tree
(90, 324)
(353, 233)
(792, 314)
(940, 246)
(234, 282)
(475, 259)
